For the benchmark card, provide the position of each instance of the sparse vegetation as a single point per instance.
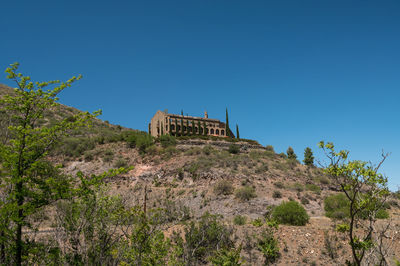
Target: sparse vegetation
(245, 193)
(234, 149)
(223, 187)
(239, 220)
(277, 194)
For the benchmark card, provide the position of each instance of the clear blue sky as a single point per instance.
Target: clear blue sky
(290, 72)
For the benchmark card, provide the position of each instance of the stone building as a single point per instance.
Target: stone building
(165, 123)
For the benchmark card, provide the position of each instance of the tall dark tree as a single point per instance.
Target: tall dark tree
(193, 127)
(176, 126)
(226, 122)
(182, 126)
(205, 128)
(290, 153)
(308, 157)
(162, 129)
(199, 126)
(237, 131)
(187, 126)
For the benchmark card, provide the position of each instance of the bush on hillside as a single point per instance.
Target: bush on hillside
(290, 212)
(167, 140)
(245, 193)
(223, 187)
(239, 220)
(336, 206)
(234, 149)
(277, 194)
(314, 188)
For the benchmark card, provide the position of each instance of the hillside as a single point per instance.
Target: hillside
(189, 176)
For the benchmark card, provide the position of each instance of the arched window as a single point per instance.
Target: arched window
(172, 127)
(179, 127)
(201, 130)
(184, 128)
(212, 131)
(217, 131)
(196, 129)
(222, 132)
(190, 129)
(206, 130)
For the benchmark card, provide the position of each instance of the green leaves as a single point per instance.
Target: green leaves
(365, 191)
(29, 182)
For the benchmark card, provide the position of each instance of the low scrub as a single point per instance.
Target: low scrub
(245, 193)
(223, 187)
(167, 140)
(239, 220)
(234, 149)
(291, 212)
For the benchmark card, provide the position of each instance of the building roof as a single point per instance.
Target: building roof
(193, 117)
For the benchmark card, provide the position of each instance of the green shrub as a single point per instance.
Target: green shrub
(324, 180)
(227, 257)
(143, 142)
(120, 163)
(234, 149)
(108, 156)
(314, 188)
(193, 151)
(202, 239)
(269, 247)
(245, 193)
(336, 206)
(239, 220)
(257, 222)
(88, 156)
(169, 151)
(277, 194)
(290, 212)
(279, 184)
(298, 187)
(304, 201)
(167, 140)
(208, 149)
(223, 187)
(382, 214)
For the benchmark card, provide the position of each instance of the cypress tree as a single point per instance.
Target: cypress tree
(199, 126)
(308, 157)
(176, 126)
(237, 132)
(187, 126)
(182, 126)
(193, 127)
(205, 128)
(226, 122)
(162, 129)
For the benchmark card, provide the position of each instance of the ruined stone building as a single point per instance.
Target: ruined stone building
(165, 123)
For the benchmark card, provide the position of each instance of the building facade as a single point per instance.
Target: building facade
(165, 123)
